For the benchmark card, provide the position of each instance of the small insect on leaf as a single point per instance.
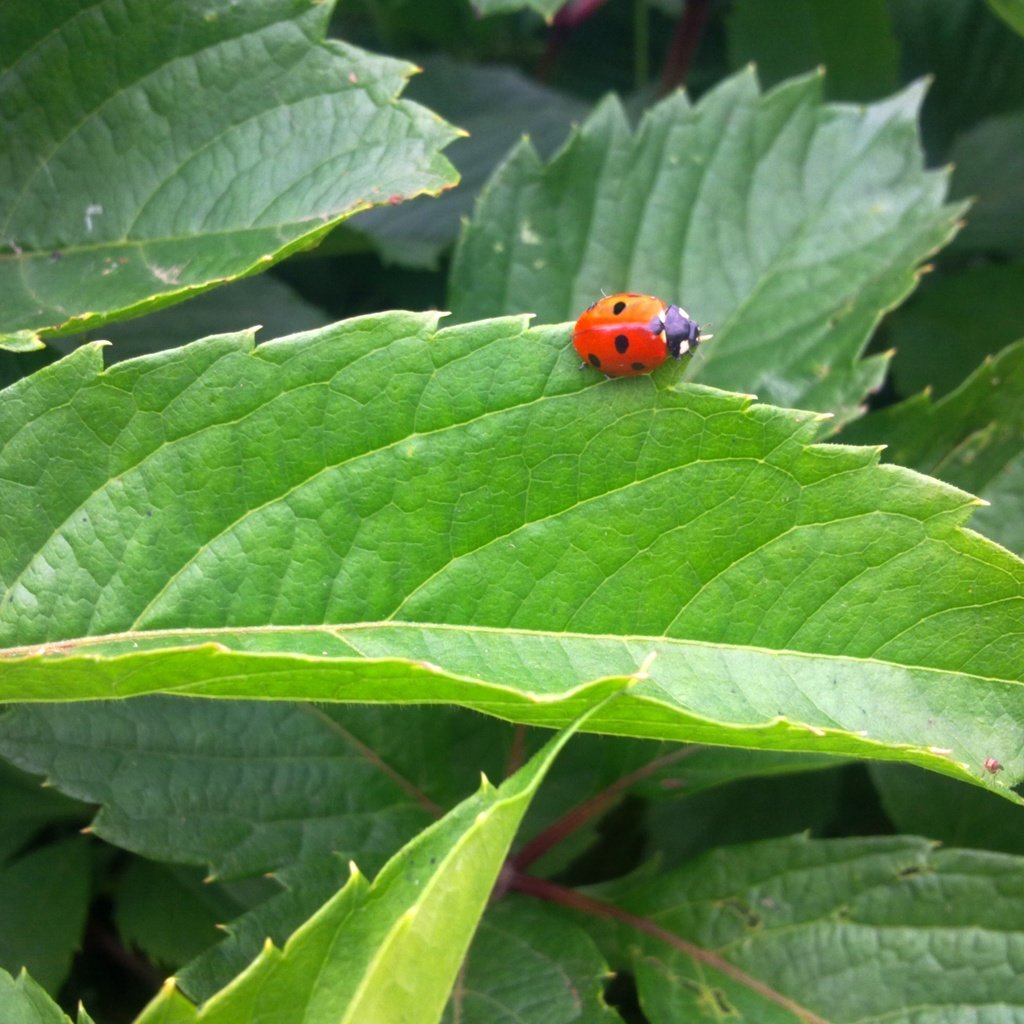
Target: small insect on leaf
(628, 334)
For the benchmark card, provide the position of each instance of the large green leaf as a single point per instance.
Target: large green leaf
(155, 152)
(973, 438)
(868, 929)
(787, 224)
(253, 787)
(207, 509)
(389, 951)
(704, 692)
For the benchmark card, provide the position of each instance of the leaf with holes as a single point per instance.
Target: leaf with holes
(485, 525)
(788, 224)
(154, 153)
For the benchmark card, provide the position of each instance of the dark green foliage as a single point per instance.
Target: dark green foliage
(270, 608)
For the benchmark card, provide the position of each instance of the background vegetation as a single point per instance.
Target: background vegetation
(269, 610)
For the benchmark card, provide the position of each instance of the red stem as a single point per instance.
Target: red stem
(560, 894)
(687, 35)
(592, 808)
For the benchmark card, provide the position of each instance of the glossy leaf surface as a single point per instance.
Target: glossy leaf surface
(155, 151)
(786, 224)
(229, 500)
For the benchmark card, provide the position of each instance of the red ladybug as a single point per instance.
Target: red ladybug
(628, 334)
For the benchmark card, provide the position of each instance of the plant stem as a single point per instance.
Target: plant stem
(684, 44)
(566, 897)
(592, 808)
(641, 45)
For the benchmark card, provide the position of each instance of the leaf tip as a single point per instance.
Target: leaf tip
(166, 989)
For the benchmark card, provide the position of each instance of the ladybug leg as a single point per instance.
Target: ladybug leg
(584, 365)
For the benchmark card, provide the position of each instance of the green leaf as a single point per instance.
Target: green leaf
(26, 808)
(763, 807)
(520, 939)
(263, 302)
(305, 886)
(43, 900)
(786, 224)
(843, 930)
(854, 42)
(169, 912)
(153, 156)
(926, 804)
(1011, 11)
(1003, 520)
(23, 1001)
(977, 66)
(169, 1007)
(497, 106)
(972, 438)
(696, 692)
(253, 787)
(21, 341)
(798, 596)
(952, 323)
(390, 950)
(989, 167)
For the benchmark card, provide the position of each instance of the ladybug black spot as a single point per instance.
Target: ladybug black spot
(639, 367)
(594, 361)
(618, 308)
(621, 343)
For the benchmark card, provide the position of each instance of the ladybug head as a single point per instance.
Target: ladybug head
(682, 334)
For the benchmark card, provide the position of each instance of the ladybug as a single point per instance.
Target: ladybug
(628, 334)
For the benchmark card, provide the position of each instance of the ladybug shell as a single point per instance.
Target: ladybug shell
(623, 335)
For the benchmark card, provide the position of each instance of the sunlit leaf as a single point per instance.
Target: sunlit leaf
(786, 224)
